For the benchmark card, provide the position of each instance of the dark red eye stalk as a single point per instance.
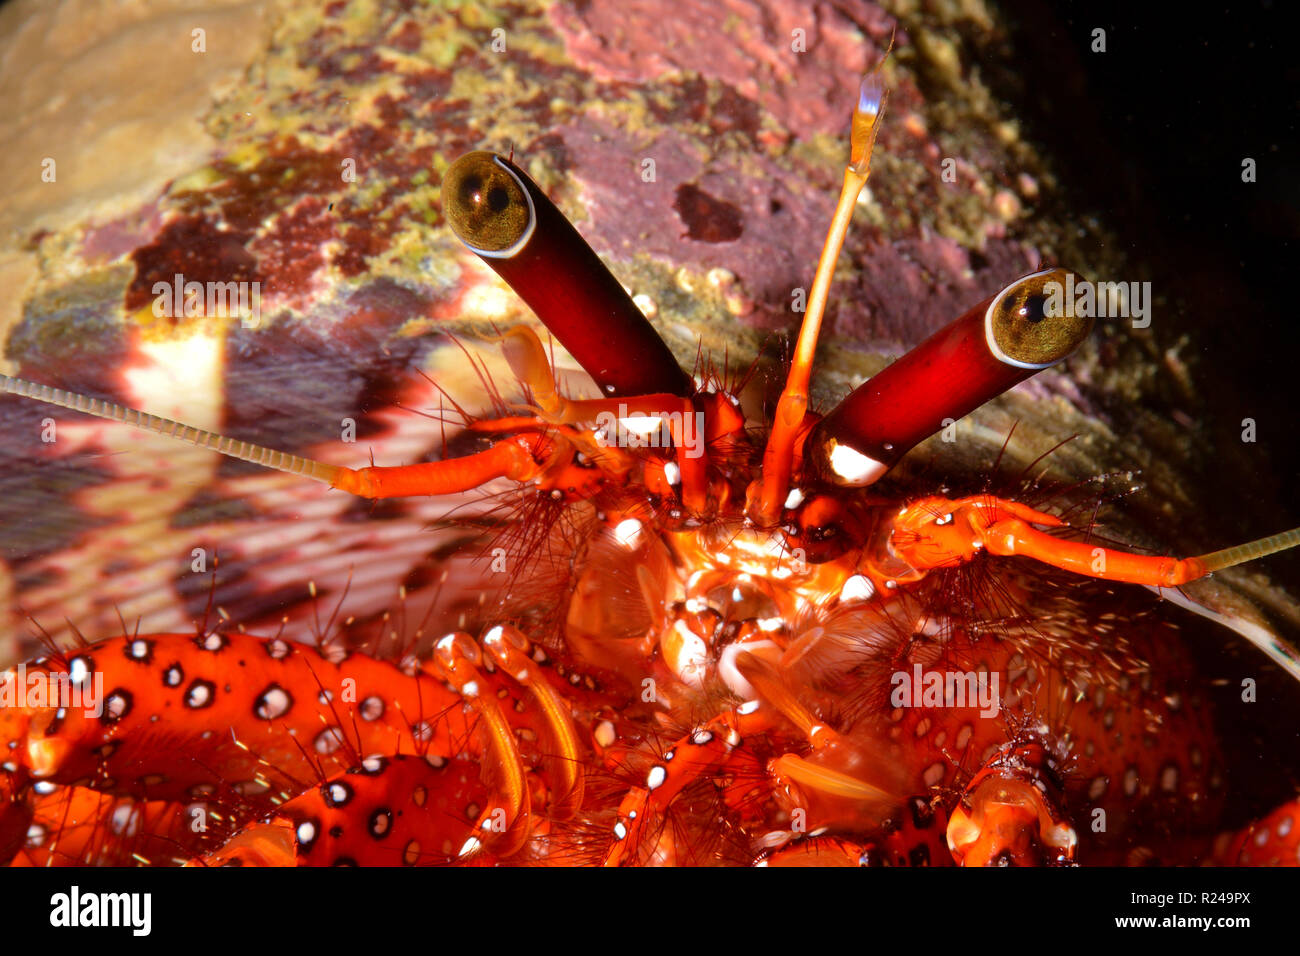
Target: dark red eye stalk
(501, 214)
(1002, 341)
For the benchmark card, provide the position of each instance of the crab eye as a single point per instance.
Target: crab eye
(487, 206)
(1030, 324)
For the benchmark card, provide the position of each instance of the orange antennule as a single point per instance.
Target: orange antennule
(791, 408)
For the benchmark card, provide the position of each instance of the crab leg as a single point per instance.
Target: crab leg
(697, 754)
(156, 717)
(513, 458)
(509, 648)
(457, 659)
(386, 811)
(939, 532)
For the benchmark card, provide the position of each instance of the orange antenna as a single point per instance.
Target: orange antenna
(512, 458)
(774, 486)
(230, 447)
(1240, 554)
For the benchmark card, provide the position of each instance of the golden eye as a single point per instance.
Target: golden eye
(487, 205)
(1031, 323)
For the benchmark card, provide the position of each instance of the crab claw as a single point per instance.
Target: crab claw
(1273, 840)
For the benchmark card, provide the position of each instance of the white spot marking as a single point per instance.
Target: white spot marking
(274, 703)
(628, 533)
(78, 670)
(858, 588)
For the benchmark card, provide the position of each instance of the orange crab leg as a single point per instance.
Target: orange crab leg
(1273, 840)
(828, 747)
(388, 810)
(172, 718)
(695, 755)
(707, 749)
(1013, 536)
(517, 458)
(457, 658)
(1011, 813)
(521, 458)
(513, 458)
(939, 532)
(509, 647)
(677, 411)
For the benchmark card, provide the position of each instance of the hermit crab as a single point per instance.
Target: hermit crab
(718, 641)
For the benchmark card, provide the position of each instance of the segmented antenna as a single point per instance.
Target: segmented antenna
(1240, 554)
(230, 447)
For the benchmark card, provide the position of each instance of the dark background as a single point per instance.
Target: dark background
(1149, 137)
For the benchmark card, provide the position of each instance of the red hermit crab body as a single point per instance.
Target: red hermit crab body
(719, 644)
